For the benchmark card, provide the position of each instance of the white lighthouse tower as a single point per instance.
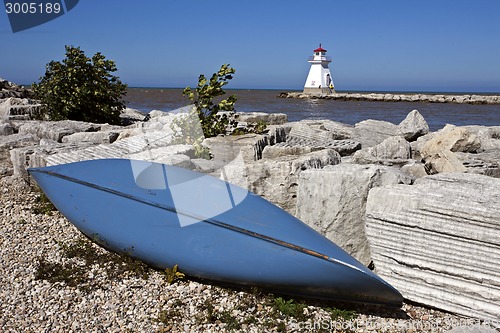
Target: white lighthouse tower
(319, 79)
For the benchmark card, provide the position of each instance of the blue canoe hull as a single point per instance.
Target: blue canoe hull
(167, 216)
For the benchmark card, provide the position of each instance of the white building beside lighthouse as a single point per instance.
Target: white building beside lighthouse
(319, 79)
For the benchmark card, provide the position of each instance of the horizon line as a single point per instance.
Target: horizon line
(386, 91)
(436, 92)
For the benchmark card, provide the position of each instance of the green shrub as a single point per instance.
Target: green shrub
(204, 120)
(203, 96)
(80, 88)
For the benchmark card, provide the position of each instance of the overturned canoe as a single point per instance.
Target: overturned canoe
(166, 216)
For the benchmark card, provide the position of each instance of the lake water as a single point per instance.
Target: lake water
(350, 112)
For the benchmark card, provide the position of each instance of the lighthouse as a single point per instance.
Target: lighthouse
(319, 79)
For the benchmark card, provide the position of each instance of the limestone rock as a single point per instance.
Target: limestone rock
(204, 166)
(473, 329)
(320, 131)
(343, 147)
(18, 108)
(6, 129)
(488, 135)
(332, 201)
(166, 118)
(438, 241)
(142, 127)
(179, 160)
(392, 148)
(131, 116)
(277, 133)
(485, 163)
(93, 137)
(372, 132)
(167, 155)
(226, 148)
(56, 130)
(443, 161)
(9, 143)
(317, 135)
(256, 117)
(49, 152)
(414, 169)
(277, 179)
(416, 146)
(413, 126)
(438, 154)
(451, 138)
(341, 131)
(17, 140)
(146, 142)
(276, 151)
(39, 156)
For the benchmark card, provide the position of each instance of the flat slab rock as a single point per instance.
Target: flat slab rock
(438, 241)
(343, 147)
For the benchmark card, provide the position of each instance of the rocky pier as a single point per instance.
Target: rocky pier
(403, 97)
(421, 208)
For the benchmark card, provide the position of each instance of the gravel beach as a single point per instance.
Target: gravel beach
(54, 280)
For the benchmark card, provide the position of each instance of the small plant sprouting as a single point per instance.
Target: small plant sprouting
(289, 308)
(172, 274)
(42, 203)
(171, 314)
(71, 275)
(212, 316)
(258, 128)
(336, 314)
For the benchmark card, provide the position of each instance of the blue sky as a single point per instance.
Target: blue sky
(392, 45)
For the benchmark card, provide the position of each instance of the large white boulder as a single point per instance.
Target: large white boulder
(277, 179)
(372, 132)
(438, 151)
(392, 150)
(413, 126)
(332, 201)
(438, 241)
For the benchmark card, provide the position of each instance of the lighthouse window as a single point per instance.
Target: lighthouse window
(317, 53)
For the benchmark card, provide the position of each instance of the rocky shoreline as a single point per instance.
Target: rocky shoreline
(388, 97)
(377, 189)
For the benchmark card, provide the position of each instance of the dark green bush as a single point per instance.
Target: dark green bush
(80, 88)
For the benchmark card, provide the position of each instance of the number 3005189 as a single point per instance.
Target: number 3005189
(32, 8)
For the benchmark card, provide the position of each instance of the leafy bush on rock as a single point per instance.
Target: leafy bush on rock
(80, 88)
(203, 96)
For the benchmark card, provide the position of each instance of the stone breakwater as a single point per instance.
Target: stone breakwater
(377, 189)
(381, 97)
